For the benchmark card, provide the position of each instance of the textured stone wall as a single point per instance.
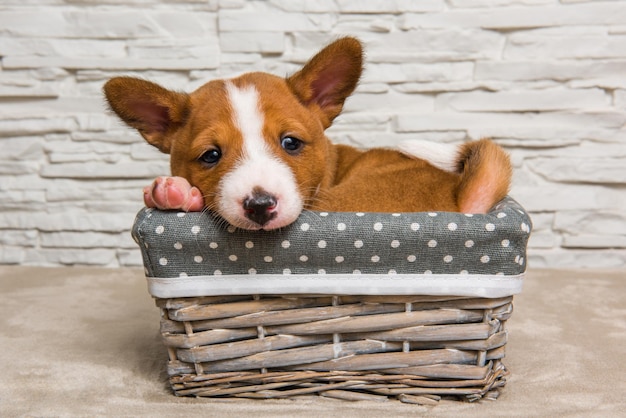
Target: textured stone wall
(544, 78)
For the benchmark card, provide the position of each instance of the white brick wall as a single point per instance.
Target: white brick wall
(544, 78)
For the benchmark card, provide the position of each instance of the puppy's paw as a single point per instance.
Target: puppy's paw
(173, 193)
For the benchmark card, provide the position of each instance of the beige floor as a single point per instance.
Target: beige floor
(84, 342)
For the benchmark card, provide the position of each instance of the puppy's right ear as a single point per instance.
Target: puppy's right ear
(151, 109)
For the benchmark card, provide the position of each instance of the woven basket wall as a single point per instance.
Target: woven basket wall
(346, 347)
(390, 319)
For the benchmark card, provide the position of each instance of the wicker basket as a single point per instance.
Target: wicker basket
(350, 306)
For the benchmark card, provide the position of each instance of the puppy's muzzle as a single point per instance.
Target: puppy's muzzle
(260, 207)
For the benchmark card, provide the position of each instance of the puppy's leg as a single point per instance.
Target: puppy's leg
(173, 193)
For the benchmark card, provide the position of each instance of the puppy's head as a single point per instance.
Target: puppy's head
(254, 145)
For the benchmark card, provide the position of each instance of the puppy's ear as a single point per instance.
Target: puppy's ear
(151, 109)
(326, 81)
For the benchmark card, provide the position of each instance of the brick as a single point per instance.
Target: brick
(129, 258)
(95, 170)
(27, 92)
(265, 21)
(580, 170)
(67, 146)
(369, 88)
(261, 42)
(11, 255)
(230, 4)
(582, 150)
(612, 82)
(519, 101)
(142, 151)
(546, 197)
(106, 24)
(573, 259)
(94, 121)
(617, 30)
(433, 45)
(72, 191)
(305, 44)
(389, 103)
(18, 167)
(496, 3)
(32, 126)
(56, 47)
(566, 46)
(389, 6)
(19, 238)
(557, 137)
(359, 122)
(446, 86)
(23, 182)
(619, 99)
(306, 6)
(485, 121)
(547, 69)
(22, 148)
(359, 6)
(603, 222)
(77, 190)
(22, 85)
(506, 18)
(132, 205)
(127, 136)
(74, 157)
(122, 64)
(71, 256)
(594, 241)
(67, 220)
(23, 197)
(185, 49)
(17, 79)
(543, 239)
(49, 74)
(424, 73)
(53, 108)
(86, 240)
(231, 58)
(383, 25)
(364, 23)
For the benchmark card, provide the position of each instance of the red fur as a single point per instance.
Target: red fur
(328, 176)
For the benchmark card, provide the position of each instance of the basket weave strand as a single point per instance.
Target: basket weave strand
(413, 348)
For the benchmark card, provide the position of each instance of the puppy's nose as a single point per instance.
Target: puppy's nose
(260, 207)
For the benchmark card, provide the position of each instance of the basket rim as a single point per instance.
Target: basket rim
(469, 285)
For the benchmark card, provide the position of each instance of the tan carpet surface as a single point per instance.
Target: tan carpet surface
(85, 342)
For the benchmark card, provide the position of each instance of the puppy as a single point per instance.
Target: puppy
(253, 149)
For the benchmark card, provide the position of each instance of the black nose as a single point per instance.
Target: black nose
(260, 207)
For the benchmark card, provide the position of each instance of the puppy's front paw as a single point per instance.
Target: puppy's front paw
(173, 193)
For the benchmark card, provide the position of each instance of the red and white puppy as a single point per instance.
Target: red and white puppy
(253, 149)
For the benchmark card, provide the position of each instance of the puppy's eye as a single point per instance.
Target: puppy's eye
(211, 157)
(292, 145)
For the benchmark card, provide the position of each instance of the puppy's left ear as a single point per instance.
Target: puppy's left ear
(326, 81)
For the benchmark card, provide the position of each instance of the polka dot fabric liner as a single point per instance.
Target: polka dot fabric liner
(179, 246)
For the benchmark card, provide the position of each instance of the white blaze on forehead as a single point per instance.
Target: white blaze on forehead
(257, 168)
(247, 116)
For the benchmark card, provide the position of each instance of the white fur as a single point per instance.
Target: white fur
(257, 168)
(442, 156)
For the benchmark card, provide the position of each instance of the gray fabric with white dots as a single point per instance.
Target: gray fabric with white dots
(177, 244)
